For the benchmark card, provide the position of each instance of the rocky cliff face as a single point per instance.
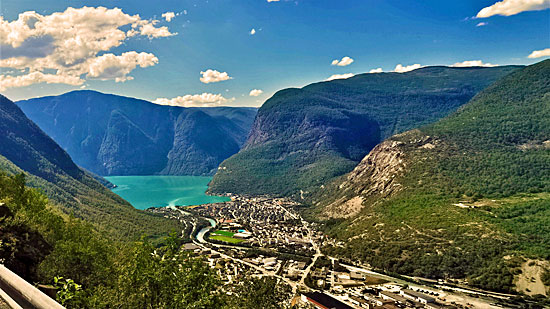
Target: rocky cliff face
(376, 174)
(114, 135)
(127, 149)
(200, 144)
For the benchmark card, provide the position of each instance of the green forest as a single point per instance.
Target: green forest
(90, 270)
(303, 138)
(491, 155)
(25, 148)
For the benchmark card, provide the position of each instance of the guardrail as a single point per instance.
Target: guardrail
(18, 293)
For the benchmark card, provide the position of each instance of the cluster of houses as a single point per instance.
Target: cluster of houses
(262, 222)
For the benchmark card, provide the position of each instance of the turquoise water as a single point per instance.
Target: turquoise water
(158, 191)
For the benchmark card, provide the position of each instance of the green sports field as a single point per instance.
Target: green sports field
(224, 233)
(226, 239)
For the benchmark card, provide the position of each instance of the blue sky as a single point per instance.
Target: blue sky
(294, 44)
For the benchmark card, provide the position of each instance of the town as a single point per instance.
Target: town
(262, 236)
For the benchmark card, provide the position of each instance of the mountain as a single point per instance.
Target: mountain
(25, 148)
(301, 138)
(467, 197)
(115, 135)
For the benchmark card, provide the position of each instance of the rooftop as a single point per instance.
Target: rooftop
(418, 295)
(326, 301)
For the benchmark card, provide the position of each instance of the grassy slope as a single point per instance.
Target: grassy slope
(96, 204)
(302, 138)
(491, 154)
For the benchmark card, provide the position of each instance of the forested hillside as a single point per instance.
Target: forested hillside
(302, 138)
(90, 270)
(25, 148)
(466, 197)
(115, 135)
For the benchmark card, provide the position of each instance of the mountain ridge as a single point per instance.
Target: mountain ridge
(302, 138)
(27, 149)
(101, 131)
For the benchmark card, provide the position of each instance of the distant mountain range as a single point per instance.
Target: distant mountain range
(25, 148)
(302, 138)
(114, 135)
(466, 197)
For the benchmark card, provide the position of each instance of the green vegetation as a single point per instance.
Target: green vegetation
(88, 200)
(91, 271)
(262, 292)
(67, 290)
(224, 233)
(230, 240)
(27, 149)
(493, 155)
(302, 138)
(225, 236)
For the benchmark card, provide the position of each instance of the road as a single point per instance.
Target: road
(315, 246)
(264, 271)
(450, 297)
(462, 297)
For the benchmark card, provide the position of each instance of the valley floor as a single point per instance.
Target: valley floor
(270, 238)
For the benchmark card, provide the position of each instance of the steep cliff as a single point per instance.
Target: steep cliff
(376, 175)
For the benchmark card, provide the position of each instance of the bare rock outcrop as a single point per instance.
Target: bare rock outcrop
(376, 174)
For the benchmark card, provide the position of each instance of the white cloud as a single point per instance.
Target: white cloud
(473, 63)
(194, 100)
(272, 0)
(540, 53)
(7, 81)
(482, 24)
(64, 47)
(513, 7)
(151, 31)
(345, 61)
(213, 76)
(340, 76)
(378, 70)
(253, 31)
(255, 92)
(168, 16)
(109, 66)
(402, 69)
